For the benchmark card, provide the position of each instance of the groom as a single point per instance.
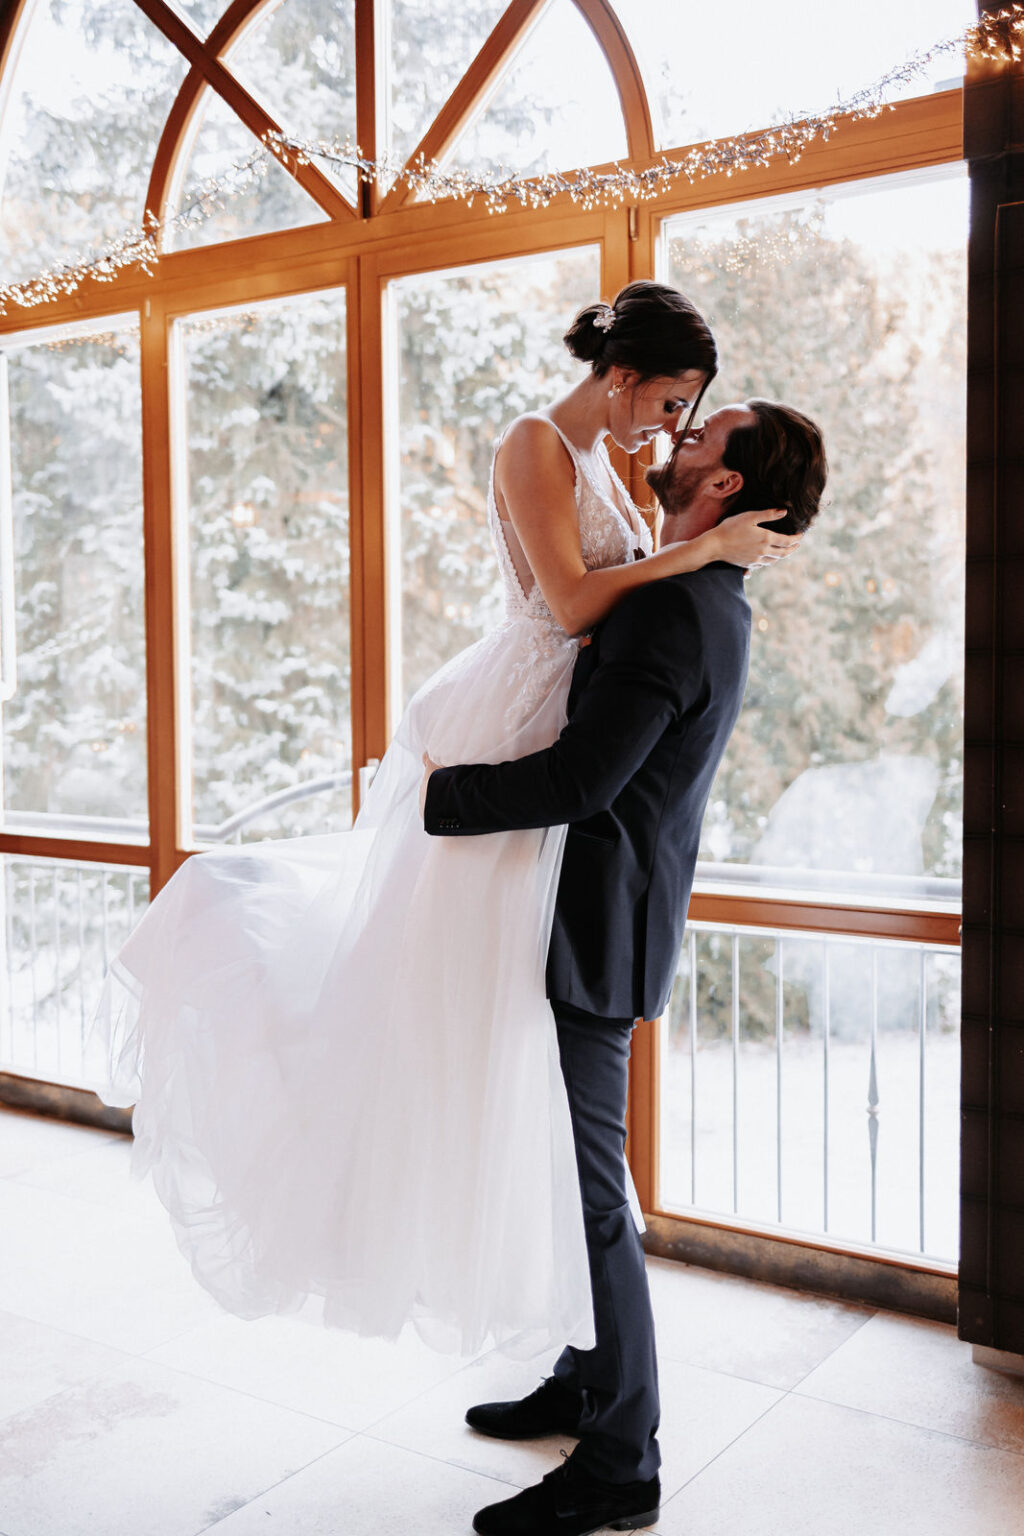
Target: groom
(654, 698)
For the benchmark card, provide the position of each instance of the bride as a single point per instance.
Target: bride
(341, 1056)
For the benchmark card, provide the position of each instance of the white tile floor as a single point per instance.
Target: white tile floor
(131, 1406)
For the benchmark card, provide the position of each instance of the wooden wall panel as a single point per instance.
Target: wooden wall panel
(992, 1102)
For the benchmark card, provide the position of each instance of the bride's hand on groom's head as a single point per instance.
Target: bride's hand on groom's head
(428, 768)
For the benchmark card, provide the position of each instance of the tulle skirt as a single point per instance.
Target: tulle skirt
(344, 1068)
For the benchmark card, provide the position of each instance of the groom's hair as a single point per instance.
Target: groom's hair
(781, 457)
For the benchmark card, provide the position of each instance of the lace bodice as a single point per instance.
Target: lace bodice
(606, 537)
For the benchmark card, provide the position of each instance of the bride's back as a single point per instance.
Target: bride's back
(606, 536)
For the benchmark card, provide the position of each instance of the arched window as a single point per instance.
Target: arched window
(244, 513)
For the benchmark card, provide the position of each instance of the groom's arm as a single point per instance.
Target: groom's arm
(649, 674)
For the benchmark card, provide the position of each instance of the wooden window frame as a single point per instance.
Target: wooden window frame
(364, 248)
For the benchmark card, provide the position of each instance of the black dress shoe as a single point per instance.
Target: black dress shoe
(571, 1502)
(551, 1410)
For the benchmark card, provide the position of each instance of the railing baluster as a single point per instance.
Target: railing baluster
(922, 1030)
(826, 1036)
(9, 938)
(780, 982)
(33, 949)
(735, 1071)
(56, 966)
(105, 906)
(81, 956)
(693, 1067)
(873, 1093)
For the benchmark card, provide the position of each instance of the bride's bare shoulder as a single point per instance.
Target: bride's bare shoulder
(531, 443)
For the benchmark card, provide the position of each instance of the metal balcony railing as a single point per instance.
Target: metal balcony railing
(63, 921)
(810, 1083)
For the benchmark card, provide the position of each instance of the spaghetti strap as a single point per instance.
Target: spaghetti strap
(539, 415)
(574, 454)
(569, 446)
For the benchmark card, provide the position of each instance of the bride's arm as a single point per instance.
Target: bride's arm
(535, 478)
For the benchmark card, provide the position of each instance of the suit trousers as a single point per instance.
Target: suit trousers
(618, 1378)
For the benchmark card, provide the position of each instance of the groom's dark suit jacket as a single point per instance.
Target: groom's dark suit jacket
(653, 702)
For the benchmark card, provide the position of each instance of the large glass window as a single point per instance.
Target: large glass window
(792, 60)
(476, 347)
(847, 757)
(267, 497)
(808, 1081)
(257, 205)
(74, 712)
(299, 61)
(93, 86)
(202, 15)
(556, 108)
(427, 48)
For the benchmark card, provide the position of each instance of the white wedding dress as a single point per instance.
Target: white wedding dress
(343, 1063)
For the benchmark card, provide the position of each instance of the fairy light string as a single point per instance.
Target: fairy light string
(998, 37)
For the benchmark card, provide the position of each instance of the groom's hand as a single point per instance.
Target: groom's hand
(428, 767)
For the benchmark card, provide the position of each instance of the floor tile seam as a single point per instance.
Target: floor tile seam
(262, 1493)
(771, 1407)
(173, 1339)
(431, 1387)
(88, 1338)
(716, 1370)
(73, 1386)
(74, 1333)
(267, 1402)
(841, 1344)
(889, 1418)
(443, 1461)
(70, 1332)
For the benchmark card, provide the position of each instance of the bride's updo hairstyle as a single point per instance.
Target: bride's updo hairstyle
(651, 328)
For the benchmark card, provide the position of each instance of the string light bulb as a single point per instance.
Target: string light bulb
(996, 37)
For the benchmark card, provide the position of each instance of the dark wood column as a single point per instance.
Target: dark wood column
(992, 1115)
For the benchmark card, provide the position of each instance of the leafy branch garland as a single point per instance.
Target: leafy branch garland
(998, 36)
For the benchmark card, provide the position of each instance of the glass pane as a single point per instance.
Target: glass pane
(557, 107)
(201, 15)
(789, 63)
(431, 47)
(74, 731)
(268, 530)
(848, 752)
(299, 61)
(272, 201)
(476, 347)
(62, 924)
(812, 1083)
(93, 87)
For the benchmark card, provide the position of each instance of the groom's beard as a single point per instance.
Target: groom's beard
(675, 488)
